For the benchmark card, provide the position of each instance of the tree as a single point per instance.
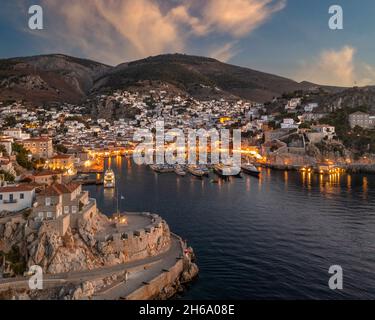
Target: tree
(10, 121)
(61, 148)
(3, 150)
(22, 156)
(7, 176)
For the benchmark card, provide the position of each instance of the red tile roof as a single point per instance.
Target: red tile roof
(59, 189)
(45, 173)
(17, 188)
(40, 139)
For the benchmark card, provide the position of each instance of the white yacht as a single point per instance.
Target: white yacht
(109, 179)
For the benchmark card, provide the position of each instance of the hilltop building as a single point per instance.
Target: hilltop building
(39, 147)
(17, 134)
(61, 205)
(362, 119)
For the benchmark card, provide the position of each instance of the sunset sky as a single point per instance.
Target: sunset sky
(285, 37)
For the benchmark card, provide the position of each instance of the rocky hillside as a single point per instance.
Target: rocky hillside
(48, 79)
(201, 77)
(60, 78)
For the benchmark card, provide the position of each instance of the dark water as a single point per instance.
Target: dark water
(272, 238)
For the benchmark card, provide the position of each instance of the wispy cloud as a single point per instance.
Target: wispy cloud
(117, 30)
(224, 53)
(338, 68)
(239, 17)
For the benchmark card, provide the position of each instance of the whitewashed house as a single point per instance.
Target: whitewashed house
(16, 197)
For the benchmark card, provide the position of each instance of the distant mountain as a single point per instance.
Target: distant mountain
(200, 77)
(61, 78)
(48, 78)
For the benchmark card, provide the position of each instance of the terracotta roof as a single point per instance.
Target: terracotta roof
(40, 139)
(17, 188)
(45, 173)
(59, 189)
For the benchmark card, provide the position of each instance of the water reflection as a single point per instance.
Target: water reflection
(246, 231)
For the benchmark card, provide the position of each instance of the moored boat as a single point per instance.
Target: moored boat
(109, 179)
(179, 171)
(162, 168)
(250, 169)
(196, 171)
(227, 170)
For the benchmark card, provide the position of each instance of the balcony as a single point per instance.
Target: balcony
(10, 201)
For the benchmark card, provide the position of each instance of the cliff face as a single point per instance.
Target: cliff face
(94, 255)
(79, 249)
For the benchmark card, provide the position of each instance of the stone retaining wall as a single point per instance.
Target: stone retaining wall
(141, 243)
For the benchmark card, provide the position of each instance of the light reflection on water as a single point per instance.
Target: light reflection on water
(273, 237)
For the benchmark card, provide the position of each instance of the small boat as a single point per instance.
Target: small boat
(109, 179)
(204, 169)
(179, 171)
(162, 168)
(250, 169)
(227, 170)
(196, 171)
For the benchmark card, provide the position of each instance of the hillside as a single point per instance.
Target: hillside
(60, 78)
(48, 79)
(200, 77)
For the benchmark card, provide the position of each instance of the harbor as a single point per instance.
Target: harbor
(280, 225)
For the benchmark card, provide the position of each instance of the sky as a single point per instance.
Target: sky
(285, 37)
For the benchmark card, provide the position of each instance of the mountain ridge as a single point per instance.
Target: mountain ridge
(57, 78)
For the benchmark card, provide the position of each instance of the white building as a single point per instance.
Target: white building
(289, 124)
(293, 103)
(311, 106)
(17, 134)
(16, 198)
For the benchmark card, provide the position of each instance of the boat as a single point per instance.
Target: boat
(250, 169)
(109, 179)
(196, 171)
(179, 171)
(227, 170)
(204, 169)
(166, 168)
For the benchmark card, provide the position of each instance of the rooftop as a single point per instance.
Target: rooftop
(16, 188)
(59, 189)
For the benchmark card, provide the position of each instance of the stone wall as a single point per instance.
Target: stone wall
(87, 212)
(158, 284)
(141, 243)
(59, 225)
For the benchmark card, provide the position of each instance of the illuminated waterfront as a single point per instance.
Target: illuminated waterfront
(273, 237)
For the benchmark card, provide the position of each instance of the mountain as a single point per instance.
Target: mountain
(60, 78)
(200, 77)
(48, 78)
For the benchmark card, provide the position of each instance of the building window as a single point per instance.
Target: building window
(49, 215)
(1, 197)
(74, 209)
(40, 215)
(22, 196)
(48, 202)
(66, 209)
